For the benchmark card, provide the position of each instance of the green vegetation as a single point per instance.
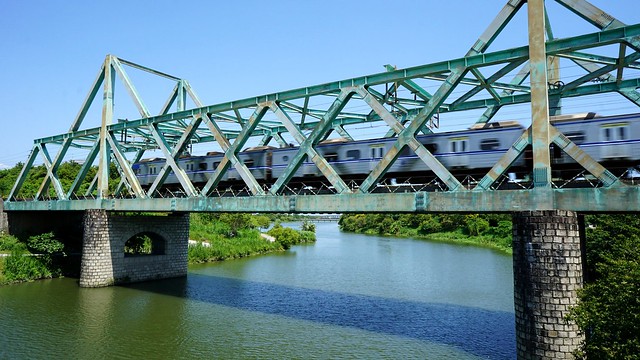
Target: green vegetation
(31, 261)
(487, 230)
(139, 245)
(230, 236)
(608, 311)
(67, 173)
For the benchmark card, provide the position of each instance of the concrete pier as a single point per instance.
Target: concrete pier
(103, 258)
(547, 267)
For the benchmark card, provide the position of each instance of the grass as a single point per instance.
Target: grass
(246, 243)
(457, 237)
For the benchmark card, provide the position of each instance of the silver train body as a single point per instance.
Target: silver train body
(608, 140)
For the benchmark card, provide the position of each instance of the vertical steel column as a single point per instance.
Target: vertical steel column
(107, 119)
(539, 95)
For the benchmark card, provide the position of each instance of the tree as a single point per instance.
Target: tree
(608, 311)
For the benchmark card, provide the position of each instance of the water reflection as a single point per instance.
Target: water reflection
(470, 329)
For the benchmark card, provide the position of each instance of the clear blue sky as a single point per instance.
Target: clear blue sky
(52, 50)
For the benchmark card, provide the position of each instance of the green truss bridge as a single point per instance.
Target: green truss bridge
(409, 105)
(396, 99)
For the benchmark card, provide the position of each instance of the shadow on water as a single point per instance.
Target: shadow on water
(476, 331)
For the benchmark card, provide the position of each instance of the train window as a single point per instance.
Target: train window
(622, 134)
(189, 166)
(377, 152)
(459, 145)
(285, 158)
(152, 170)
(202, 166)
(353, 154)
(215, 165)
(576, 136)
(331, 157)
(248, 162)
(433, 148)
(489, 144)
(615, 132)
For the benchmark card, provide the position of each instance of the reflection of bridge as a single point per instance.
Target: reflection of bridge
(547, 254)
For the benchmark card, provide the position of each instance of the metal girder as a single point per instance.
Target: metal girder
(172, 156)
(51, 176)
(107, 118)
(616, 199)
(582, 158)
(554, 48)
(316, 135)
(505, 161)
(125, 167)
(539, 95)
(325, 168)
(231, 151)
(84, 169)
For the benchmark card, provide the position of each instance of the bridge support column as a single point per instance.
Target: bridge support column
(104, 262)
(547, 266)
(4, 222)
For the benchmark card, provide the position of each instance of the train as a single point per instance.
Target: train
(613, 141)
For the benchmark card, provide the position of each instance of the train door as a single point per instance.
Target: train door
(459, 148)
(377, 152)
(613, 136)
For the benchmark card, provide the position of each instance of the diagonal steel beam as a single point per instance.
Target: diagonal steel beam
(422, 152)
(137, 100)
(316, 135)
(582, 158)
(591, 13)
(50, 177)
(125, 167)
(231, 151)
(505, 161)
(327, 170)
(172, 156)
(28, 165)
(82, 174)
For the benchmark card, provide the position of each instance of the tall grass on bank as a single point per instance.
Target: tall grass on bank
(217, 248)
(31, 261)
(232, 236)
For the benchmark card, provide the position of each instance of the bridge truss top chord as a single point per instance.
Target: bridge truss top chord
(397, 99)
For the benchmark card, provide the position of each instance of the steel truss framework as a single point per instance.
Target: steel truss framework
(396, 98)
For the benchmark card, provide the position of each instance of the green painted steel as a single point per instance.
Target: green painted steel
(395, 98)
(616, 199)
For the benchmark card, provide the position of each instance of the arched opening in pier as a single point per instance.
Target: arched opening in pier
(145, 243)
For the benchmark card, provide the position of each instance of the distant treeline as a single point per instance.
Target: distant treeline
(488, 230)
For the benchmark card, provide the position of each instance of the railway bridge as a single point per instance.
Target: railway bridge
(547, 202)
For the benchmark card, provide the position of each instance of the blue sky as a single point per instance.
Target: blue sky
(52, 50)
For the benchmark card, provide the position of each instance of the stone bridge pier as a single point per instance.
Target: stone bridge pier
(104, 261)
(547, 270)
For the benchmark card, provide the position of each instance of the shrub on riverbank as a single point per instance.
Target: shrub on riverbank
(288, 237)
(231, 236)
(487, 230)
(31, 261)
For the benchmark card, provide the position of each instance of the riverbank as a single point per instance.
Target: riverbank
(217, 237)
(492, 231)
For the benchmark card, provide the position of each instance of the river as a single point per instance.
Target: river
(348, 296)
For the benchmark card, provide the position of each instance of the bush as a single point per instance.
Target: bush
(10, 243)
(287, 237)
(24, 267)
(45, 244)
(476, 225)
(308, 226)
